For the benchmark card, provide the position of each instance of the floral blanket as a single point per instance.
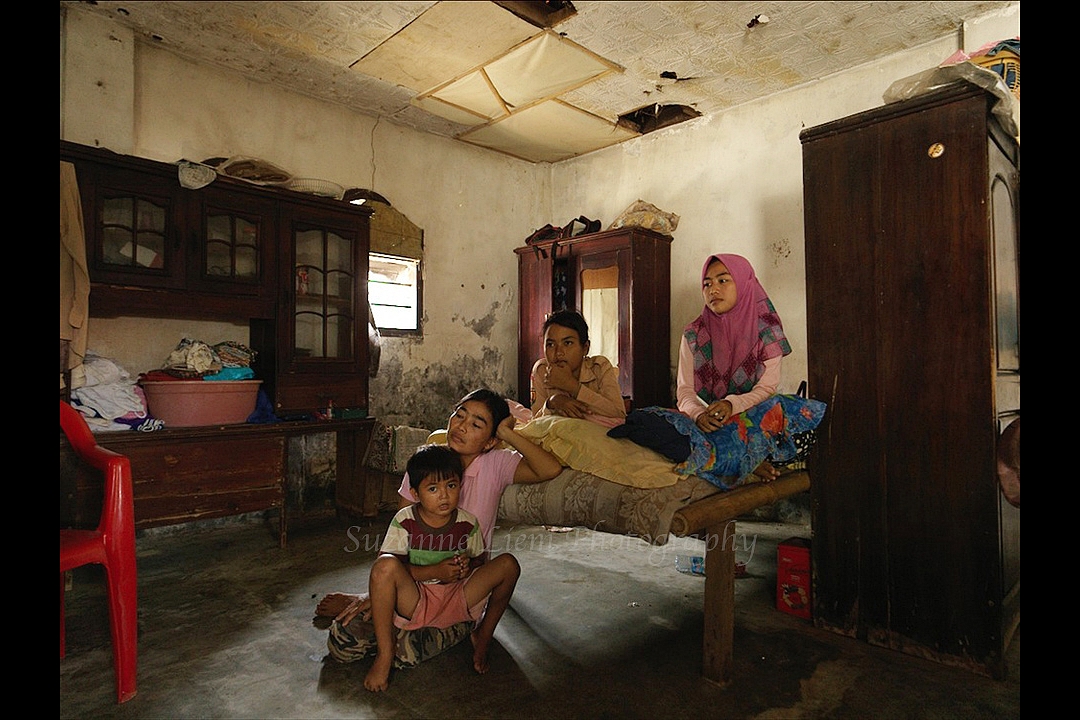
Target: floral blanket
(767, 431)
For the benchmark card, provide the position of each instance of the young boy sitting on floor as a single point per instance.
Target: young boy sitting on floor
(431, 571)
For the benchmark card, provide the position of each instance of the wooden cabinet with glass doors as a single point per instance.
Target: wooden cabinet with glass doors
(133, 219)
(154, 246)
(293, 265)
(233, 244)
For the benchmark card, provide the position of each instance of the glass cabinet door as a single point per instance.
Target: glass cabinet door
(321, 345)
(133, 233)
(233, 247)
(324, 318)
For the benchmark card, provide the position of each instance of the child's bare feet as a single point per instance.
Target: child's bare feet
(480, 650)
(766, 471)
(378, 677)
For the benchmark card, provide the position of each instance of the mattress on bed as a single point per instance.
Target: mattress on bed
(577, 498)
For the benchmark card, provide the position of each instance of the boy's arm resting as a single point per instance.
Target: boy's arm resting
(537, 464)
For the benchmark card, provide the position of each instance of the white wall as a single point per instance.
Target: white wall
(735, 180)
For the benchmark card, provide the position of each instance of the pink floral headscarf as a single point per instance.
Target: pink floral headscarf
(730, 348)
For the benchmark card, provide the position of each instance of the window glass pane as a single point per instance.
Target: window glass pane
(393, 291)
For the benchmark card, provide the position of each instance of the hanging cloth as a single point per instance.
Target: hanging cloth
(74, 275)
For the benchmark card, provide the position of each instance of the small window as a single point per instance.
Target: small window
(394, 293)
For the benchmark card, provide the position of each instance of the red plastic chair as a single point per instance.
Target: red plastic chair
(112, 544)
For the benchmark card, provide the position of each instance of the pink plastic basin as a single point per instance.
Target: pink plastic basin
(190, 403)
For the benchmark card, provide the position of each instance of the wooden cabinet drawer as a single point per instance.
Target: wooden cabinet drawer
(300, 394)
(182, 479)
(186, 480)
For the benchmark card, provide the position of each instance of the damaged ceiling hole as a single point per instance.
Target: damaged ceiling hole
(543, 14)
(653, 117)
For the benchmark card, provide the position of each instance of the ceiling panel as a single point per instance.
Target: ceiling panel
(447, 40)
(548, 132)
(385, 58)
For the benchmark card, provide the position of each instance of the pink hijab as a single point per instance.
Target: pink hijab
(730, 349)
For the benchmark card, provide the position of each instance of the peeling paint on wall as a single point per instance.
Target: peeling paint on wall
(425, 396)
(780, 250)
(482, 326)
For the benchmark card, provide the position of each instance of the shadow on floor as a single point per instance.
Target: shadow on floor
(601, 626)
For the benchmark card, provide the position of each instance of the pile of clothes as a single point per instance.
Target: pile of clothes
(110, 399)
(194, 359)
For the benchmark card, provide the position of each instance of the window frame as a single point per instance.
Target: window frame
(419, 288)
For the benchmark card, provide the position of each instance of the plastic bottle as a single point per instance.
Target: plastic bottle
(690, 564)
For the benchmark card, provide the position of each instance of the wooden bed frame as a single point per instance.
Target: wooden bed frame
(711, 518)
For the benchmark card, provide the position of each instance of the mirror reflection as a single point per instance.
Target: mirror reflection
(600, 308)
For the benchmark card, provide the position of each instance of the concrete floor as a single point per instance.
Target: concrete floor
(601, 626)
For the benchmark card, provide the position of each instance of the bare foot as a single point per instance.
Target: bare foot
(339, 605)
(479, 656)
(378, 677)
(766, 471)
(333, 604)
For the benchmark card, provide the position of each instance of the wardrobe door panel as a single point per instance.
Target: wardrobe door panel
(912, 256)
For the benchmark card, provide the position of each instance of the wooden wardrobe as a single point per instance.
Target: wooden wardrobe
(632, 263)
(913, 328)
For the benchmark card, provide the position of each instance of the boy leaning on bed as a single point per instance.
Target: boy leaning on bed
(431, 574)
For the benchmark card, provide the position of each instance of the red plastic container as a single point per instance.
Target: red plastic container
(793, 577)
(192, 403)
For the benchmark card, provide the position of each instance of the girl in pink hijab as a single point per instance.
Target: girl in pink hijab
(729, 357)
(730, 422)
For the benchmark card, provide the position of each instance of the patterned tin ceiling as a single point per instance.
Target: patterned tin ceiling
(431, 65)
